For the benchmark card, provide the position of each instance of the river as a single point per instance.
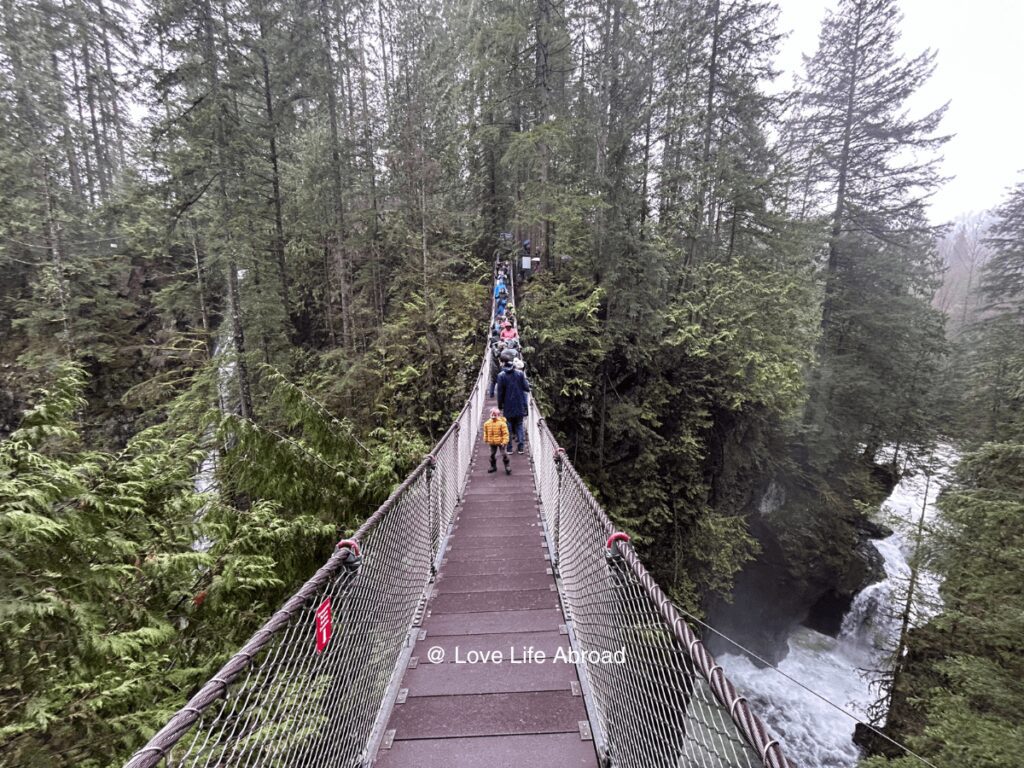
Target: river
(815, 734)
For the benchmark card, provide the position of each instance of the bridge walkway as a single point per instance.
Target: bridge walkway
(494, 592)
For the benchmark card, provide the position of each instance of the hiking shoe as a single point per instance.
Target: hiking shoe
(520, 451)
(492, 469)
(508, 470)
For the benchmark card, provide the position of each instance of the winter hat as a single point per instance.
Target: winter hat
(495, 413)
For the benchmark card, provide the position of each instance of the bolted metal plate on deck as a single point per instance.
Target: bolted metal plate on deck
(477, 512)
(512, 675)
(544, 641)
(493, 622)
(525, 552)
(488, 714)
(499, 506)
(496, 566)
(505, 526)
(518, 491)
(515, 544)
(555, 750)
(494, 582)
(478, 602)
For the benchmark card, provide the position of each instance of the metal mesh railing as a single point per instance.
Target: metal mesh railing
(299, 694)
(663, 702)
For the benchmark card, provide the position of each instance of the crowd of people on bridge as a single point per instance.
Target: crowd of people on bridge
(508, 383)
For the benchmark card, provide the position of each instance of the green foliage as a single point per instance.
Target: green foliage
(646, 406)
(84, 616)
(427, 357)
(959, 695)
(992, 346)
(123, 586)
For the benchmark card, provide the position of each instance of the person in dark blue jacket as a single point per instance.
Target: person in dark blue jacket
(512, 391)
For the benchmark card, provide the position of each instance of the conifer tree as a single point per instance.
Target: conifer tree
(871, 167)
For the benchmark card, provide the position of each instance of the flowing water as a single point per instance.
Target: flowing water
(205, 479)
(842, 669)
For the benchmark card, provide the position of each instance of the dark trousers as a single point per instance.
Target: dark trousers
(516, 430)
(494, 459)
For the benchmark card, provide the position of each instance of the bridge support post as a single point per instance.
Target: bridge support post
(559, 462)
(433, 516)
(459, 467)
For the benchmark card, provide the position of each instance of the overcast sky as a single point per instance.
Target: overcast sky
(980, 71)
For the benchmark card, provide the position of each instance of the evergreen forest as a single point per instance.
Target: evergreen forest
(246, 251)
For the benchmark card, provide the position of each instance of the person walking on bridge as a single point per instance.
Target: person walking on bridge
(497, 352)
(512, 390)
(508, 331)
(496, 436)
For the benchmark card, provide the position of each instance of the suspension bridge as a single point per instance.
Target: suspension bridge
(474, 619)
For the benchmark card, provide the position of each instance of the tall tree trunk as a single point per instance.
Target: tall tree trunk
(832, 267)
(94, 125)
(649, 116)
(383, 38)
(201, 289)
(67, 139)
(700, 225)
(114, 96)
(90, 183)
(231, 266)
(338, 245)
(55, 248)
(371, 170)
(277, 245)
(542, 29)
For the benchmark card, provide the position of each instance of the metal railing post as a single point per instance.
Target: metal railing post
(556, 555)
(433, 520)
(459, 470)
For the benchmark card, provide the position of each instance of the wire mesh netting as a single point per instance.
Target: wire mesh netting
(300, 694)
(661, 701)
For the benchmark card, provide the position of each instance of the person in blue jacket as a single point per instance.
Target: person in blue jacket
(499, 287)
(512, 390)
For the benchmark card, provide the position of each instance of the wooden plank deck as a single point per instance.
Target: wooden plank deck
(494, 592)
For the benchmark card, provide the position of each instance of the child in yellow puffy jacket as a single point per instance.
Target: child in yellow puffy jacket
(496, 436)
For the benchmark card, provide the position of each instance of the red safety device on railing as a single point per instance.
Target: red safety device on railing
(351, 544)
(617, 536)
